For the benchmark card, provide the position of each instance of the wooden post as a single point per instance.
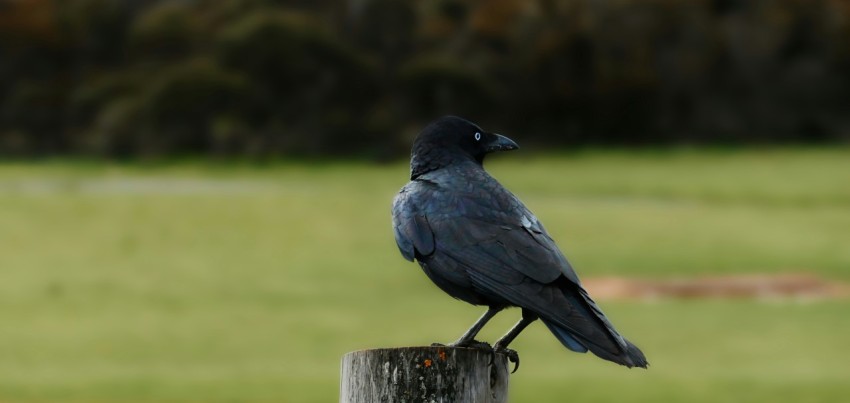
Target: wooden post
(424, 374)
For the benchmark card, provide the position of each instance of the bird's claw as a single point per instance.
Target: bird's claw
(512, 355)
(485, 347)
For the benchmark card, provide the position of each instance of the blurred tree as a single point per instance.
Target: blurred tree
(165, 31)
(435, 85)
(172, 115)
(386, 28)
(270, 77)
(302, 77)
(31, 79)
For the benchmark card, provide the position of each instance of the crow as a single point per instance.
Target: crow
(479, 243)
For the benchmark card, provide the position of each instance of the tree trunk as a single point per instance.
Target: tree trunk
(424, 374)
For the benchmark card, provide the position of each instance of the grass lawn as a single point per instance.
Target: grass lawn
(232, 282)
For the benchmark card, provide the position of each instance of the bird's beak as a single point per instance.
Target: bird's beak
(501, 143)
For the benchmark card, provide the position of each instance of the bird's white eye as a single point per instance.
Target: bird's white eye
(477, 136)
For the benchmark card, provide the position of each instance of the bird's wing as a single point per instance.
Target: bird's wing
(507, 252)
(413, 235)
(504, 239)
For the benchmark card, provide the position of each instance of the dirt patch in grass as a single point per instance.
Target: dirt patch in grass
(746, 286)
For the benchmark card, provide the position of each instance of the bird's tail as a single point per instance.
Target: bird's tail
(629, 355)
(585, 336)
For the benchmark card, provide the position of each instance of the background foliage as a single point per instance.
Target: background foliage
(360, 77)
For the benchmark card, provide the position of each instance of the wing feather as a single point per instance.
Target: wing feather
(413, 233)
(505, 251)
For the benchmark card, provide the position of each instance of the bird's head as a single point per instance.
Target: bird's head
(450, 140)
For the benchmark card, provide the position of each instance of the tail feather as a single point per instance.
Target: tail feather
(566, 338)
(574, 331)
(636, 356)
(630, 355)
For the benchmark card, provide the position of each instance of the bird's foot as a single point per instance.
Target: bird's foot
(478, 345)
(473, 344)
(512, 355)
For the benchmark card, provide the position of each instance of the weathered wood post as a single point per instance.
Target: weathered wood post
(424, 374)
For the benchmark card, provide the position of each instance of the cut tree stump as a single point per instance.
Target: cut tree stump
(424, 374)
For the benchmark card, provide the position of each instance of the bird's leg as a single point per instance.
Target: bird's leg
(501, 345)
(468, 338)
(515, 331)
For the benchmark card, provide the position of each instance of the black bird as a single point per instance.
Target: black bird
(477, 242)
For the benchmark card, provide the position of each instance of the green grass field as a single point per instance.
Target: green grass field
(237, 283)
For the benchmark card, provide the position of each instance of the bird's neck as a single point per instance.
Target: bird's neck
(421, 164)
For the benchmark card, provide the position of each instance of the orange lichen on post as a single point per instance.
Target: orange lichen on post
(427, 363)
(442, 354)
